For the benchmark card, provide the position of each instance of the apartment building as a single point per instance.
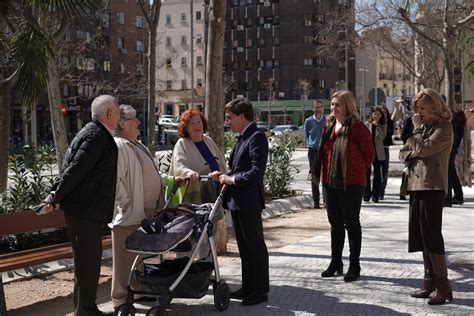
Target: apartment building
(270, 45)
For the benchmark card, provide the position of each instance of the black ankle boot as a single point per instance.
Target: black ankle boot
(353, 273)
(334, 266)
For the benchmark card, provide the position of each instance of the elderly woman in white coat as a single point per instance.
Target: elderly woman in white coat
(139, 193)
(378, 128)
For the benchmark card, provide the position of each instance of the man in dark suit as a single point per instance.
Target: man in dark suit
(245, 200)
(86, 193)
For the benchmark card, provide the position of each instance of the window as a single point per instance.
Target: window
(249, 1)
(140, 69)
(235, 65)
(184, 85)
(183, 17)
(235, 2)
(235, 43)
(169, 84)
(120, 43)
(261, 42)
(106, 65)
(249, 22)
(140, 21)
(168, 62)
(276, 41)
(276, 63)
(308, 61)
(198, 15)
(249, 65)
(199, 39)
(183, 61)
(249, 42)
(139, 46)
(322, 83)
(183, 39)
(199, 60)
(269, 63)
(105, 20)
(122, 67)
(168, 41)
(121, 18)
(168, 19)
(199, 83)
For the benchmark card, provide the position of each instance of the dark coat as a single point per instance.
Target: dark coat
(86, 188)
(247, 163)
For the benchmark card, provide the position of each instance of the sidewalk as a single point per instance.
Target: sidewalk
(389, 272)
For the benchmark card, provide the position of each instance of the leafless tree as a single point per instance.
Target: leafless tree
(433, 26)
(304, 86)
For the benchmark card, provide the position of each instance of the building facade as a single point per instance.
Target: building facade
(270, 48)
(181, 56)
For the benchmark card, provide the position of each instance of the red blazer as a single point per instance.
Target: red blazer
(360, 154)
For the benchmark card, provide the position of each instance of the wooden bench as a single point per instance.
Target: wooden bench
(28, 221)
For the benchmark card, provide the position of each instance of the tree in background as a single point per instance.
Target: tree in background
(26, 51)
(434, 26)
(151, 10)
(304, 85)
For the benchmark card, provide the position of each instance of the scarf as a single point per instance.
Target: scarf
(338, 167)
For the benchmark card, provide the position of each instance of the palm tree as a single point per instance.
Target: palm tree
(26, 51)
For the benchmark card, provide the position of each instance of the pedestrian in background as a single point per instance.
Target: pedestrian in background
(345, 154)
(387, 142)
(454, 183)
(86, 193)
(378, 129)
(463, 158)
(427, 152)
(313, 128)
(245, 199)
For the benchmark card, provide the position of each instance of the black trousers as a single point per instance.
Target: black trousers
(425, 222)
(376, 182)
(343, 209)
(252, 249)
(312, 154)
(86, 239)
(453, 181)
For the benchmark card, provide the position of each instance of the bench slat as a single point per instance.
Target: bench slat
(28, 221)
(40, 255)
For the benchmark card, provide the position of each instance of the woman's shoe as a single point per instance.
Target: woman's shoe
(352, 274)
(333, 268)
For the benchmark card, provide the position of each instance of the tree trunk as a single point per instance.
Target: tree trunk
(5, 108)
(214, 105)
(449, 41)
(153, 29)
(57, 120)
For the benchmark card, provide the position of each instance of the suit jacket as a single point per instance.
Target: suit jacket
(427, 152)
(248, 162)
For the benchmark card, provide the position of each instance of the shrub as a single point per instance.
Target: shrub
(31, 178)
(280, 173)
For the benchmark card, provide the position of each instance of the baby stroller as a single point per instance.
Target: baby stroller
(175, 230)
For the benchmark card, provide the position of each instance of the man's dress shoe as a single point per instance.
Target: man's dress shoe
(254, 299)
(240, 294)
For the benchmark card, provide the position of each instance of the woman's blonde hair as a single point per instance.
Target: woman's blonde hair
(434, 103)
(348, 100)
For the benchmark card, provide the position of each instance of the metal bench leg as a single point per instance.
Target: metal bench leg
(3, 304)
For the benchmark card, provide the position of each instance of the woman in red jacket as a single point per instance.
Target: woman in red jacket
(345, 153)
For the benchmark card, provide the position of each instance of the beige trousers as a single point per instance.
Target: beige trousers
(122, 261)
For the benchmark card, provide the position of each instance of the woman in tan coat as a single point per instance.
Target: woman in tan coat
(426, 154)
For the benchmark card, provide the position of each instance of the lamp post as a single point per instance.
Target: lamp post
(363, 92)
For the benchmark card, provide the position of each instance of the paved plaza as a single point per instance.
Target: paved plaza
(389, 273)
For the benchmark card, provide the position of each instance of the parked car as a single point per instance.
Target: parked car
(279, 129)
(168, 123)
(292, 130)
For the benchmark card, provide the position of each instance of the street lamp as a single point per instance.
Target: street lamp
(362, 104)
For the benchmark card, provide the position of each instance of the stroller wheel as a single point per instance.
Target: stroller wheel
(156, 311)
(125, 310)
(221, 296)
